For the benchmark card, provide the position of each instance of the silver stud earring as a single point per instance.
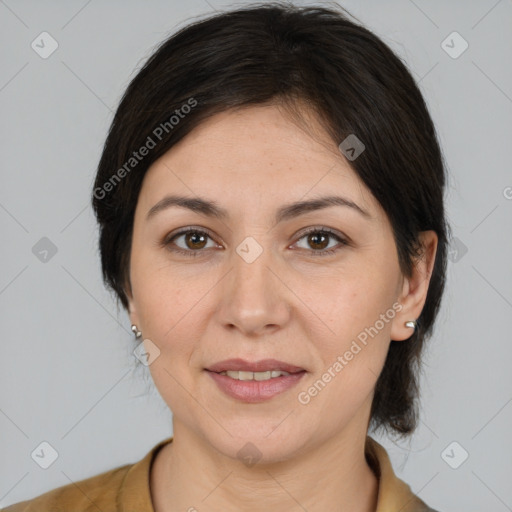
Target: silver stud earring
(136, 331)
(411, 324)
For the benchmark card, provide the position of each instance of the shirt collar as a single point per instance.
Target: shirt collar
(394, 494)
(135, 493)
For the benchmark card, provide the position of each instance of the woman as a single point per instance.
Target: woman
(270, 203)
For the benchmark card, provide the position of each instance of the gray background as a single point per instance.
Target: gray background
(68, 375)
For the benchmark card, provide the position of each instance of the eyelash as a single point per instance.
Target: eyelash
(327, 231)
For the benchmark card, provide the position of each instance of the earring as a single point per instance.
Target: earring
(136, 331)
(411, 324)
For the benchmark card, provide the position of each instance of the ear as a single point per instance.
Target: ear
(414, 288)
(132, 310)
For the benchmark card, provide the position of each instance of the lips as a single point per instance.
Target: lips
(263, 365)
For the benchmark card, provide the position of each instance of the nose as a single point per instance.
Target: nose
(253, 296)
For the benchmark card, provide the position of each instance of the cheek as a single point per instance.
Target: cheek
(352, 301)
(353, 349)
(171, 302)
(162, 291)
(356, 308)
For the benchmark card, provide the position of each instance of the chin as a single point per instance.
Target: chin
(261, 441)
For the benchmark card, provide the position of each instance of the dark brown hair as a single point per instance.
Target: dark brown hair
(295, 56)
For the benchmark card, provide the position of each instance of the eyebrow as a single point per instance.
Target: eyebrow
(212, 209)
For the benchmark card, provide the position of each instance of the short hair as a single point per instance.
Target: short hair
(278, 53)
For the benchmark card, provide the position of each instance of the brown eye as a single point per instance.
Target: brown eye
(317, 240)
(194, 241)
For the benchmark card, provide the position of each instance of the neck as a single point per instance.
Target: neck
(189, 475)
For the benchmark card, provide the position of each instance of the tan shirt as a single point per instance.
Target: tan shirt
(126, 489)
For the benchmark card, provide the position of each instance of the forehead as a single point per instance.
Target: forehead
(252, 154)
(267, 132)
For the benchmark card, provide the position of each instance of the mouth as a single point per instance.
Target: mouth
(258, 370)
(259, 376)
(255, 381)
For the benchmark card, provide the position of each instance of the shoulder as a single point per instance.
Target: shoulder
(98, 492)
(122, 488)
(394, 493)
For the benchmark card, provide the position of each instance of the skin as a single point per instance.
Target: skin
(290, 304)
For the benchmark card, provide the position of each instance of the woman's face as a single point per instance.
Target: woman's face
(258, 286)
